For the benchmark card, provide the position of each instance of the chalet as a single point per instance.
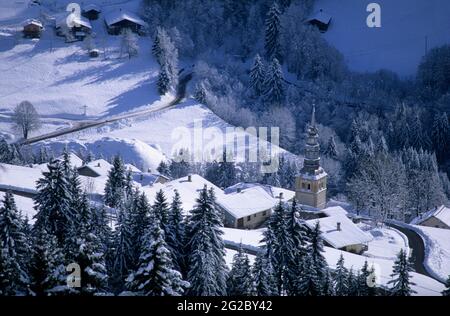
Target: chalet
(339, 232)
(75, 162)
(32, 28)
(321, 20)
(438, 218)
(96, 168)
(117, 21)
(91, 12)
(248, 205)
(81, 28)
(149, 179)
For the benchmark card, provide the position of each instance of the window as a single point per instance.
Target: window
(264, 213)
(254, 215)
(309, 186)
(249, 218)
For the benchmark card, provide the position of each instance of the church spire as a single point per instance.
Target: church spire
(313, 116)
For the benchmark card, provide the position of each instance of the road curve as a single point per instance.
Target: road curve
(181, 92)
(417, 245)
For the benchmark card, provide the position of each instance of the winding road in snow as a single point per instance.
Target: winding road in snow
(181, 93)
(417, 245)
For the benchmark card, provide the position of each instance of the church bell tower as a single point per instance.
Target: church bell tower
(311, 184)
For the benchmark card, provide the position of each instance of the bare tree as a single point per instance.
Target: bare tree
(26, 118)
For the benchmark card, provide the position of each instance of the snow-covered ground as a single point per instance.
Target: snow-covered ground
(406, 26)
(437, 244)
(24, 205)
(387, 242)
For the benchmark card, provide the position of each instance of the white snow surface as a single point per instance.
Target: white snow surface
(437, 257)
(24, 205)
(399, 43)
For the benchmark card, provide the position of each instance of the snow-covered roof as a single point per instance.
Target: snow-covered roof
(131, 167)
(442, 213)
(188, 190)
(91, 7)
(251, 199)
(146, 179)
(321, 16)
(75, 162)
(349, 233)
(120, 15)
(61, 20)
(100, 166)
(334, 210)
(33, 21)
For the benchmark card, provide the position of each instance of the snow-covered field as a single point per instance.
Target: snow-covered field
(406, 26)
(437, 243)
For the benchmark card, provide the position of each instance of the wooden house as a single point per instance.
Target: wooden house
(117, 21)
(91, 12)
(79, 29)
(32, 29)
(321, 20)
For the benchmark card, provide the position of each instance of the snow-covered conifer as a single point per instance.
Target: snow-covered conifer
(401, 283)
(273, 33)
(239, 281)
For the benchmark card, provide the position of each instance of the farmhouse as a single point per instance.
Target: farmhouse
(438, 218)
(248, 205)
(339, 232)
(321, 20)
(32, 28)
(91, 12)
(96, 168)
(80, 29)
(117, 21)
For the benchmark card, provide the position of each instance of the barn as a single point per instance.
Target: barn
(91, 12)
(32, 29)
(321, 20)
(82, 27)
(117, 21)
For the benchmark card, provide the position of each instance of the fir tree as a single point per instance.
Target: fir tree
(257, 76)
(13, 274)
(367, 286)
(163, 81)
(446, 292)
(239, 281)
(273, 33)
(353, 285)
(226, 172)
(309, 282)
(207, 269)
(316, 250)
(54, 203)
(401, 283)
(264, 282)
(176, 232)
(160, 209)
(274, 84)
(155, 275)
(115, 185)
(341, 285)
(440, 134)
(163, 169)
(331, 150)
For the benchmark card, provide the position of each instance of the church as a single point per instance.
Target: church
(311, 183)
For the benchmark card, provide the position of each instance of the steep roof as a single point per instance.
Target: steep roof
(33, 21)
(442, 213)
(100, 166)
(321, 16)
(251, 199)
(349, 234)
(120, 15)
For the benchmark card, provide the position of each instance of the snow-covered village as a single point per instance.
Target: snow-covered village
(224, 148)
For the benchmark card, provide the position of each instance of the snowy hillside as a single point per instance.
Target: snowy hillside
(400, 42)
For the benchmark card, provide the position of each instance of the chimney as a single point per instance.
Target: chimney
(338, 226)
(189, 178)
(149, 170)
(142, 177)
(98, 165)
(239, 190)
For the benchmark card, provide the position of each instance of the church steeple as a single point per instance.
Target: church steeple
(311, 184)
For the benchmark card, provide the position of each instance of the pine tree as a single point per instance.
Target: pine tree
(13, 274)
(163, 81)
(200, 94)
(418, 139)
(226, 172)
(341, 285)
(54, 203)
(366, 281)
(155, 275)
(163, 169)
(264, 282)
(353, 285)
(176, 230)
(257, 76)
(440, 134)
(446, 292)
(160, 209)
(309, 282)
(207, 269)
(331, 150)
(401, 283)
(273, 34)
(274, 84)
(239, 281)
(115, 185)
(316, 250)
